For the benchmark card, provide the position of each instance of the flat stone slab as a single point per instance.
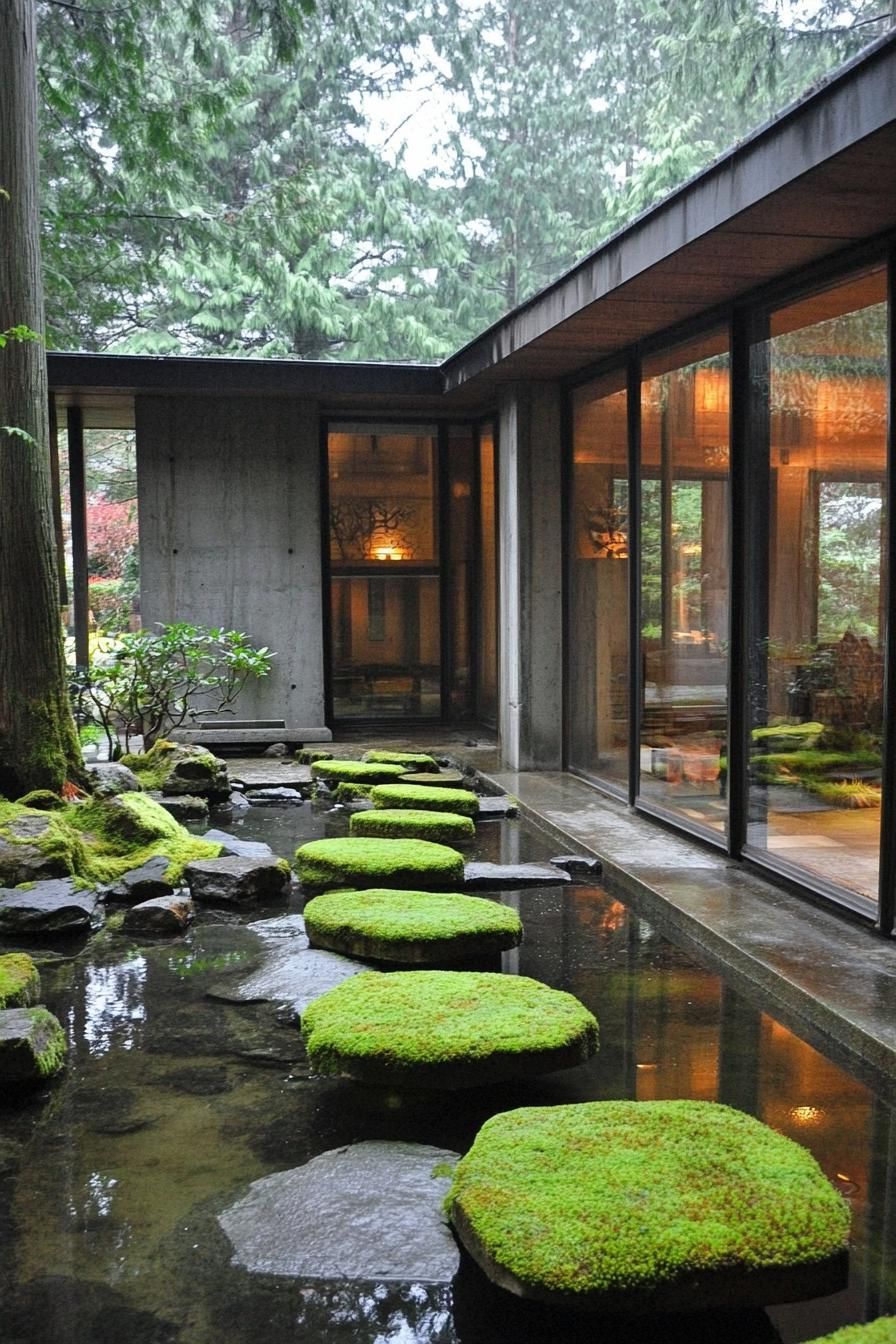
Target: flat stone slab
(495, 807)
(371, 1212)
(276, 796)
(234, 881)
(270, 774)
(509, 876)
(290, 971)
(235, 848)
(163, 915)
(142, 884)
(648, 1207)
(51, 906)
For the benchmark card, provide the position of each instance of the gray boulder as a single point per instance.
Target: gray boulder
(52, 906)
(110, 777)
(496, 806)
(21, 859)
(183, 807)
(32, 1046)
(170, 914)
(275, 797)
(578, 865)
(233, 847)
(142, 884)
(235, 881)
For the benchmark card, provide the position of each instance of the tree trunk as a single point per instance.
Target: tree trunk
(38, 742)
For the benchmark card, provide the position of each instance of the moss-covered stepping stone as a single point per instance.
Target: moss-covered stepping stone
(19, 981)
(352, 793)
(881, 1331)
(411, 760)
(421, 928)
(445, 1029)
(355, 772)
(423, 799)
(435, 779)
(308, 755)
(627, 1206)
(401, 822)
(32, 1047)
(360, 861)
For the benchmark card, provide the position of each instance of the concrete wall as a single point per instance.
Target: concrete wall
(229, 500)
(530, 577)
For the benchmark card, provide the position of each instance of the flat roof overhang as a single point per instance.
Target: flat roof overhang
(820, 177)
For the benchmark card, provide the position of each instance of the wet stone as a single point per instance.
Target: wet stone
(443, 779)
(32, 1046)
(510, 876)
(49, 907)
(23, 862)
(292, 974)
(170, 914)
(275, 797)
(496, 807)
(142, 884)
(578, 865)
(238, 802)
(109, 778)
(372, 1211)
(240, 849)
(230, 881)
(184, 806)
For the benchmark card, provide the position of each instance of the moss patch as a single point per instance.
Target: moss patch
(42, 800)
(355, 772)
(350, 793)
(411, 926)
(308, 755)
(32, 1046)
(363, 862)
(445, 1028)
(408, 822)
(420, 798)
(571, 1203)
(881, 1331)
(411, 760)
(19, 981)
(154, 767)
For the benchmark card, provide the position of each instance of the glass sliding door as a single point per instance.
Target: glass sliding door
(461, 552)
(384, 571)
(684, 581)
(598, 654)
(487, 590)
(818, 628)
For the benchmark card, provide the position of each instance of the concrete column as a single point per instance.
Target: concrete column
(229, 512)
(530, 577)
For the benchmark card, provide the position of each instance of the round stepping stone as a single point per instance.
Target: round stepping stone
(361, 862)
(418, 927)
(648, 1207)
(445, 1029)
(415, 796)
(355, 772)
(881, 1331)
(435, 779)
(411, 760)
(400, 823)
(19, 981)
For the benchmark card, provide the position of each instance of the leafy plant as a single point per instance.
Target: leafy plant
(152, 683)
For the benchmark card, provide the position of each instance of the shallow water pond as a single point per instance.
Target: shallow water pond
(175, 1099)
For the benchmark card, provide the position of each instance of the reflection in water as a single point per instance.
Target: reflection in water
(173, 1102)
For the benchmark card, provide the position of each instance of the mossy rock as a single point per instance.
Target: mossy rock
(355, 772)
(42, 800)
(19, 981)
(32, 1047)
(130, 818)
(180, 767)
(411, 927)
(358, 861)
(445, 1029)
(417, 797)
(350, 793)
(400, 822)
(411, 760)
(308, 755)
(436, 779)
(881, 1331)
(626, 1206)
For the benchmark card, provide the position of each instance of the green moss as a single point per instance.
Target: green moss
(355, 772)
(132, 818)
(427, 799)
(411, 925)
(787, 734)
(881, 1331)
(409, 1025)
(846, 792)
(52, 1055)
(42, 800)
(349, 793)
(408, 822)
(610, 1196)
(308, 755)
(153, 767)
(357, 861)
(442, 1171)
(19, 981)
(411, 760)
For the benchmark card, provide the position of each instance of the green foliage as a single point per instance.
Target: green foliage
(420, 798)
(19, 333)
(354, 772)
(151, 683)
(450, 827)
(405, 926)
(323, 864)
(623, 1196)
(19, 981)
(408, 1025)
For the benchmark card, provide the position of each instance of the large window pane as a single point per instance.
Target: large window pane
(385, 646)
(461, 548)
(684, 580)
(598, 587)
(487, 615)
(818, 636)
